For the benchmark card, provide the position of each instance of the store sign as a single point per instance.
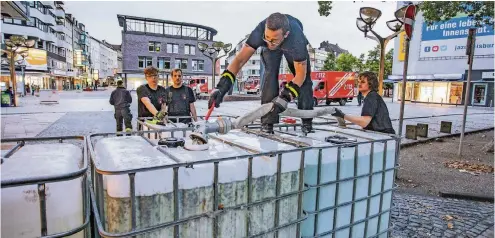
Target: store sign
(448, 38)
(57, 72)
(488, 75)
(36, 59)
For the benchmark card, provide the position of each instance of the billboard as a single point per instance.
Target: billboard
(449, 38)
(402, 47)
(36, 60)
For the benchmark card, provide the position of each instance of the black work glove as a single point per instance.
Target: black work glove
(222, 88)
(291, 90)
(338, 113)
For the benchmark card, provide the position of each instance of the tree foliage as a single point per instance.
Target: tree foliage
(480, 11)
(329, 63)
(324, 8)
(346, 62)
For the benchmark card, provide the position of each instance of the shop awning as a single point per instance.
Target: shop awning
(427, 77)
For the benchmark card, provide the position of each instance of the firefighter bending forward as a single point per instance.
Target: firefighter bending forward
(279, 34)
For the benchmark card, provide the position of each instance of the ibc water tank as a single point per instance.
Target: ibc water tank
(21, 216)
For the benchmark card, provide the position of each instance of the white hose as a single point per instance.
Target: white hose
(291, 112)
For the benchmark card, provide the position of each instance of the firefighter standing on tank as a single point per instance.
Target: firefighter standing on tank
(279, 34)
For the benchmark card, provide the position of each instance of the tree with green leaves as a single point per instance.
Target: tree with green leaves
(360, 67)
(480, 11)
(346, 62)
(329, 63)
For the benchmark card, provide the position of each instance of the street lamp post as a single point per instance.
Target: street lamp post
(16, 45)
(213, 53)
(365, 22)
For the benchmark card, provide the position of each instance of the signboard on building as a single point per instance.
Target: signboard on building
(448, 38)
(36, 60)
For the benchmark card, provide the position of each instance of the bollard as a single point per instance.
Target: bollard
(411, 132)
(446, 127)
(422, 130)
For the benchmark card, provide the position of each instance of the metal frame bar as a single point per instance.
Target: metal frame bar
(41, 182)
(302, 215)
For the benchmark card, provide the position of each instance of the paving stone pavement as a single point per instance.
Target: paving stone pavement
(424, 216)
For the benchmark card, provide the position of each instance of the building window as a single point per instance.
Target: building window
(198, 65)
(154, 46)
(190, 50)
(145, 62)
(134, 25)
(188, 31)
(163, 63)
(173, 48)
(171, 29)
(180, 63)
(154, 27)
(202, 34)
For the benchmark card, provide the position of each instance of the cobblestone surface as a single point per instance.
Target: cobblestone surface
(424, 216)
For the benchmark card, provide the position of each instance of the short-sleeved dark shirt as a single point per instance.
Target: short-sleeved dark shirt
(157, 98)
(178, 101)
(375, 107)
(294, 47)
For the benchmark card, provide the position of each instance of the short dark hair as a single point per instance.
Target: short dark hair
(150, 71)
(120, 83)
(372, 80)
(277, 21)
(175, 71)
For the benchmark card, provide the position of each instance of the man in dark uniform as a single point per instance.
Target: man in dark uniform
(279, 34)
(374, 115)
(151, 96)
(180, 99)
(121, 99)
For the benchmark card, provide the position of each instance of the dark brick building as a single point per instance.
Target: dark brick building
(165, 45)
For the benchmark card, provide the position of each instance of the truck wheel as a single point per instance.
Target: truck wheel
(315, 102)
(327, 102)
(342, 102)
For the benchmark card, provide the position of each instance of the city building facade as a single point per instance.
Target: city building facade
(437, 71)
(165, 45)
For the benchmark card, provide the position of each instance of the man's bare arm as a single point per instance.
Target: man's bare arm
(300, 68)
(147, 103)
(240, 59)
(361, 121)
(193, 111)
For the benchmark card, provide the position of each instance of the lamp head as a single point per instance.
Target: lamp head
(369, 14)
(24, 54)
(211, 50)
(218, 45)
(227, 47)
(394, 25)
(202, 46)
(400, 13)
(30, 43)
(361, 25)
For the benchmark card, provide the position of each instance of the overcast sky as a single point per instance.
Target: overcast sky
(233, 20)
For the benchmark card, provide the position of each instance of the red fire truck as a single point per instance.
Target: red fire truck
(198, 85)
(252, 85)
(328, 86)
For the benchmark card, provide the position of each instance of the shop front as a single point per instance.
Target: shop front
(482, 88)
(438, 89)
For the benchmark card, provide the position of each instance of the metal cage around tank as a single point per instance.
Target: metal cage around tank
(97, 193)
(41, 182)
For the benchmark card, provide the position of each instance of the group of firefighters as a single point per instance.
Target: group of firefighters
(279, 34)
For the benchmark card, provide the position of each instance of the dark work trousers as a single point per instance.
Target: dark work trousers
(270, 60)
(123, 114)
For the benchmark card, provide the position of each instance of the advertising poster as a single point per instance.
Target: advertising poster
(449, 38)
(36, 60)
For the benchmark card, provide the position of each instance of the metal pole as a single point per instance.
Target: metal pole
(404, 81)
(472, 33)
(23, 73)
(214, 61)
(382, 66)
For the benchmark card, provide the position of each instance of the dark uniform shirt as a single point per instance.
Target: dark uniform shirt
(375, 107)
(120, 98)
(157, 98)
(294, 47)
(178, 100)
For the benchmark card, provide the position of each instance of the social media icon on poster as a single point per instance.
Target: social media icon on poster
(427, 49)
(434, 48)
(443, 48)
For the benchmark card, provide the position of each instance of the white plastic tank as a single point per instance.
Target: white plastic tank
(20, 205)
(264, 181)
(153, 189)
(328, 194)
